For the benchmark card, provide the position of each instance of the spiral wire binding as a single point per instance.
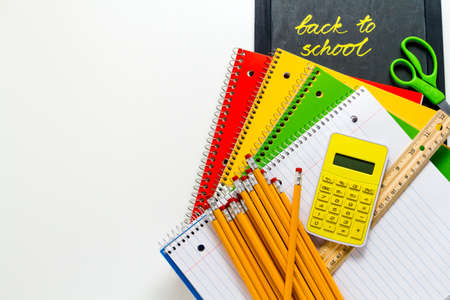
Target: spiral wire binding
(280, 111)
(225, 98)
(291, 147)
(259, 97)
(245, 121)
(171, 238)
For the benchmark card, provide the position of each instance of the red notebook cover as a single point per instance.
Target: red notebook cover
(245, 74)
(407, 94)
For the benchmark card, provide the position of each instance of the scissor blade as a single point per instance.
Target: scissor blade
(445, 106)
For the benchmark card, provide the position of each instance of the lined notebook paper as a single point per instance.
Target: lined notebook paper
(202, 263)
(407, 254)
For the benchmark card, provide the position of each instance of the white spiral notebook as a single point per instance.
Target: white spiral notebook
(407, 254)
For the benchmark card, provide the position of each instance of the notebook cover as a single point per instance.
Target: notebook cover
(246, 74)
(409, 112)
(281, 82)
(404, 93)
(276, 22)
(319, 94)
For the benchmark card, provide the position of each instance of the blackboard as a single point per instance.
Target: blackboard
(356, 37)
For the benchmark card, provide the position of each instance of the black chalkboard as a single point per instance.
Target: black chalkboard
(356, 37)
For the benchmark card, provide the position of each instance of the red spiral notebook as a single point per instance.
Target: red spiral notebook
(245, 74)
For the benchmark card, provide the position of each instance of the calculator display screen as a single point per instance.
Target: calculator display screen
(353, 163)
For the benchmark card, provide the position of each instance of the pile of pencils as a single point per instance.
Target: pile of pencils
(260, 229)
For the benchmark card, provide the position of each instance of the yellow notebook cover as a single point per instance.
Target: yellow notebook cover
(284, 77)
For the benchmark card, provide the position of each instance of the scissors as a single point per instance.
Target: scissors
(426, 84)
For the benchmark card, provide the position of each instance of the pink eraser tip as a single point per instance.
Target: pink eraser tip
(273, 180)
(298, 170)
(235, 178)
(247, 156)
(244, 178)
(249, 170)
(263, 172)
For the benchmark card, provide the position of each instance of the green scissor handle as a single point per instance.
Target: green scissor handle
(430, 78)
(426, 85)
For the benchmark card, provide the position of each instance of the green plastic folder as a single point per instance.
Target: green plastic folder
(317, 96)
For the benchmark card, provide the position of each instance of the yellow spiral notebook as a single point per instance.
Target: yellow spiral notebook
(281, 82)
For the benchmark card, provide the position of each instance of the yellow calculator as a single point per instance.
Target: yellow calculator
(347, 190)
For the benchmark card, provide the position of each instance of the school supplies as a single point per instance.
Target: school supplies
(409, 243)
(378, 27)
(307, 259)
(426, 84)
(400, 174)
(246, 71)
(319, 94)
(347, 190)
(280, 84)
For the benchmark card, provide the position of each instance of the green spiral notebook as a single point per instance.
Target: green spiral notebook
(319, 94)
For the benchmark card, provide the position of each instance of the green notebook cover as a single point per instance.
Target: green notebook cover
(441, 159)
(318, 95)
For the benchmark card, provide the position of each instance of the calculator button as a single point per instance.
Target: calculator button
(334, 209)
(336, 200)
(344, 222)
(352, 195)
(318, 214)
(340, 192)
(342, 231)
(368, 190)
(341, 183)
(316, 223)
(347, 213)
(350, 204)
(321, 205)
(323, 197)
(355, 186)
(363, 208)
(365, 199)
(327, 179)
(329, 227)
(331, 218)
(325, 188)
(361, 217)
(357, 230)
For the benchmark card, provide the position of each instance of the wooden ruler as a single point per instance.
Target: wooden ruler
(397, 179)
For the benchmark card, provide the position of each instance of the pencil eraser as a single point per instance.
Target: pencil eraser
(263, 172)
(249, 170)
(247, 156)
(273, 180)
(222, 207)
(244, 178)
(298, 170)
(235, 178)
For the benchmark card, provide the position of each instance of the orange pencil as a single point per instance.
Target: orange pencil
(293, 235)
(233, 255)
(272, 238)
(276, 186)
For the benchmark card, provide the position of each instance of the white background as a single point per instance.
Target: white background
(104, 107)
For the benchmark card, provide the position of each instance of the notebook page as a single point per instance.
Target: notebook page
(199, 254)
(407, 253)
